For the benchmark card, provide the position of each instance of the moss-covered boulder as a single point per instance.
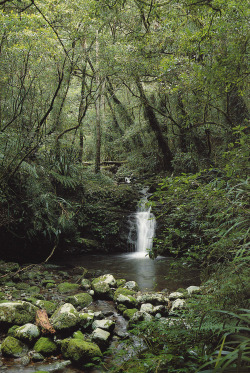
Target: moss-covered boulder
(65, 318)
(127, 300)
(81, 300)
(129, 313)
(123, 291)
(50, 307)
(131, 285)
(86, 319)
(17, 313)
(85, 284)
(12, 347)
(45, 346)
(80, 352)
(104, 324)
(120, 282)
(27, 333)
(79, 335)
(102, 289)
(67, 287)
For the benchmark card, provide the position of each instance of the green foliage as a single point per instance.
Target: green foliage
(205, 216)
(233, 352)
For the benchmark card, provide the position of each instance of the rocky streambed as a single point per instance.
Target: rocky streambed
(83, 317)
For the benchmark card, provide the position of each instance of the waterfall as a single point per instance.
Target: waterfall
(142, 226)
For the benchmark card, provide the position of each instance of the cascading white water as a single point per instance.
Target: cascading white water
(144, 224)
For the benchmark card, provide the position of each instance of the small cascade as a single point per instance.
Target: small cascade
(142, 226)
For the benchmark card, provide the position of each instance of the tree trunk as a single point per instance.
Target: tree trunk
(155, 125)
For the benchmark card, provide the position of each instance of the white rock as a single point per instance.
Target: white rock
(177, 305)
(193, 289)
(108, 279)
(105, 324)
(100, 337)
(175, 295)
(27, 333)
(65, 317)
(131, 285)
(147, 307)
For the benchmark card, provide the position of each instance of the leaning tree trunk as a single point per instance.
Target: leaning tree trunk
(155, 126)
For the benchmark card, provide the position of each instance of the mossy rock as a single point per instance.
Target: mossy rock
(50, 307)
(65, 318)
(80, 352)
(12, 347)
(102, 289)
(33, 290)
(120, 282)
(9, 267)
(50, 285)
(129, 313)
(79, 335)
(22, 286)
(123, 291)
(86, 319)
(11, 331)
(67, 287)
(2, 295)
(17, 313)
(81, 300)
(27, 333)
(127, 300)
(45, 346)
(121, 308)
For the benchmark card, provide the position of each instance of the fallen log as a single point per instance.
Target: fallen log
(42, 321)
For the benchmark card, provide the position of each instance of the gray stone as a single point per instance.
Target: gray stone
(147, 307)
(178, 304)
(27, 333)
(193, 289)
(105, 324)
(153, 298)
(127, 300)
(175, 295)
(65, 317)
(131, 285)
(17, 313)
(100, 337)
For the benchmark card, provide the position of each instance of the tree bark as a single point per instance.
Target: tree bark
(155, 126)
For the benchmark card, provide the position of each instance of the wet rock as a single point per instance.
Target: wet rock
(25, 360)
(102, 289)
(50, 307)
(123, 291)
(65, 318)
(35, 356)
(120, 282)
(45, 346)
(129, 313)
(121, 327)
(105, 324)
(12, 347)
(85, 284)
(67, 287)
(131, 285)
(27, 333)
(17, 313)
(79, 335)
(108, 279)
(86, 319)
(153, 298)
(100, 337)
(127, 300)
(140, 316)
(82, 300)
(80, 352)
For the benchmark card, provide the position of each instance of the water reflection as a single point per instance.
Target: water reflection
(149, 274)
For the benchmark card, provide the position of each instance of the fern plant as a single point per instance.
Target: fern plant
(233, 352)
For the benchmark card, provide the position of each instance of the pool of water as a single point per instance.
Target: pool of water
(158, 274)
